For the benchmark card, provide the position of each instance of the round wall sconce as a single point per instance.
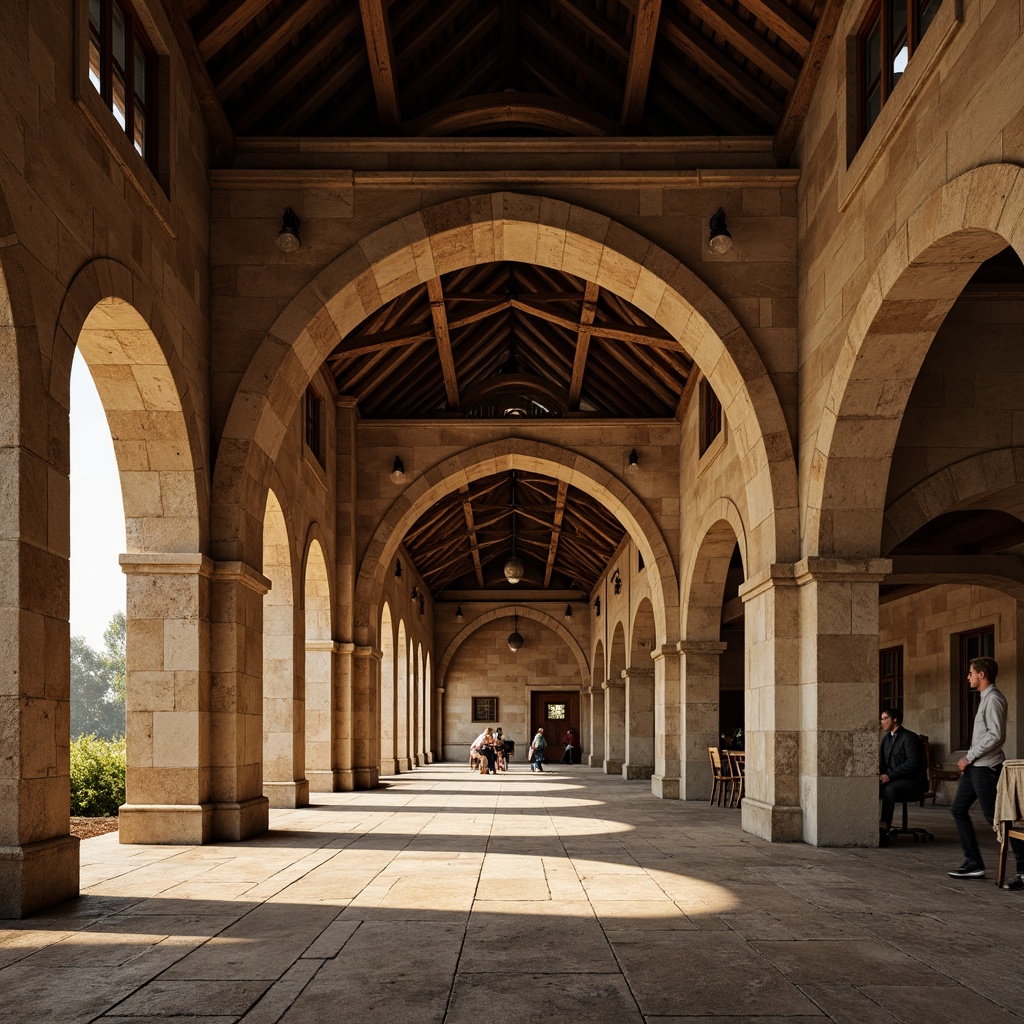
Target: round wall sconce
(458, 613)
(568, 611)
(719, 239)
(288, 239)
(397, 470)
(634, 461)
(617, 582)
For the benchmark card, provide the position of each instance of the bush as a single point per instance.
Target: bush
(97, 776)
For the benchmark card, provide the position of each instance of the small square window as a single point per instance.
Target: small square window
(555, 712)
(485, 709)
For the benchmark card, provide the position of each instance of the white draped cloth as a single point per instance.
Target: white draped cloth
(1009, 796)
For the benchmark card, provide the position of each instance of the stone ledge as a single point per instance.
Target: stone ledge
(165, 824)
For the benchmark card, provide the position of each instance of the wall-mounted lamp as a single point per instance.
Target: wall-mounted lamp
(617, 582)
(398, 568)
(515, 638)
(423, 604)
(458, 614)
(288, 239)
(568, 611)
(415, 593)
(634, 461)
(597, 607)
(719, 239)
(397, 470)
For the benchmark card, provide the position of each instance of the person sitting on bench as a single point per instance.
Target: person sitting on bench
(902, 772)
(484, 746)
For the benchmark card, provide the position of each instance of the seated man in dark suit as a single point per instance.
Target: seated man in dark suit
(902, 772)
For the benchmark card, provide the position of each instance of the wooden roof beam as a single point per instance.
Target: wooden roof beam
(382, 61)
(579, 363)
(556, 530)
(435, 292)
(780, 18)
(467, 511)
(605, 33)
(641, 55)
(618, 332)
(218, 30)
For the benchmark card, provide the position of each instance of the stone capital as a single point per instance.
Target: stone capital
(324, 645)
(841, 570)
(154, 563)
(716, 647)
(373, 653)
(662, 652)
(613, 684)
(243, 573)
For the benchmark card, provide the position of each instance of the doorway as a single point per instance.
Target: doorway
(556, 711)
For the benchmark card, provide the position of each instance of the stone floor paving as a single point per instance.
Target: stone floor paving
(446, 896)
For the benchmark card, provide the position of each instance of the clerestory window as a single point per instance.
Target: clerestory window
(123, 70)
(887, 40)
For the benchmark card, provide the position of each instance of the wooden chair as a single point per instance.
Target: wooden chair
(737, 764)
(721, 781)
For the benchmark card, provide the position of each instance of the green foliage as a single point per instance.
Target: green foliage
(97, 776)
(98, 683)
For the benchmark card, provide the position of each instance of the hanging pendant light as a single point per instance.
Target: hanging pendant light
(514, 568)
(515, 638)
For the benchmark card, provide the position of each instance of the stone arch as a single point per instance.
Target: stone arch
(906, 300)
(283, 739)
(388, 696)
(718, 533)
(615, 703)
(640, 694)
(421, 708)
(319, 710)
(114, 322)
(402, 699)
(594, 736)
(429, 708)
(994, 478)
(505, 612)
(464, 232)
(496, 457)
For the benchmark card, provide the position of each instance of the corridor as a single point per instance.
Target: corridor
(451, 897)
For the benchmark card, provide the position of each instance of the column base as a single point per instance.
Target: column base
(321, 781)
(389, 767)
(777, 823)
(405, 764)
(165, 824)
(664, 788)
(430, 757)
(365, 778)
(237, 821)
(637, 771)
(595, 761)
(612, 767)
(697, 780)
(38, 875)
(287, 794)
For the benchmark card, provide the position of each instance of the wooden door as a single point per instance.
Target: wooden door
(556, 711)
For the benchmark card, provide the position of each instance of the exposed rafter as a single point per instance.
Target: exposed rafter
(641, 54)
(556, 530)
(382, 61)
(579, 363)
(435, 292)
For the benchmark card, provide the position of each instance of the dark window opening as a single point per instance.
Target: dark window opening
(890, 679)
(485, 709)
(710, 416)
(313, 418)
(975, 643)
(888, 38)
(123, 70)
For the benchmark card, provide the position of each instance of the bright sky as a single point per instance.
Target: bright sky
(97, 515)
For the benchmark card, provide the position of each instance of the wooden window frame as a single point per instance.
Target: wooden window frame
(313, 423)
(966, 699)
(477, 717)
(881, 12)
(135, 35)
(890, 684)
(712, 417)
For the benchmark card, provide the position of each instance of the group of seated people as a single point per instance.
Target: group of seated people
(491, 747)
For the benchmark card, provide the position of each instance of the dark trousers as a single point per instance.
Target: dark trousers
(896, 792)
(978, 783)
(488, 752)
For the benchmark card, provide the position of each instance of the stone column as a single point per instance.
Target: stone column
(771, 796)
(665, 780)
(240, 808)
(439, 723)
(416, 714)
(169, 764)
(839, 699)
(360, 708)
(639, 714)
(320, 715)
(614, 725)
(700, 667)
(285, 710)
(595, 744)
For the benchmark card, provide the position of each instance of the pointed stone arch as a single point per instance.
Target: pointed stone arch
(319, 710)
(506, 226)
(388, 702)
(639, 678)
(615, 703)
(595, 702)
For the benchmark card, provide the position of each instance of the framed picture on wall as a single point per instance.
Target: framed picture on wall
(485, 709)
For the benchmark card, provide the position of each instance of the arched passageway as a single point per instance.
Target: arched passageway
(388, 696)
(320, 710)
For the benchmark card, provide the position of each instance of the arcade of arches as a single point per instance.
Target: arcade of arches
(733, 479)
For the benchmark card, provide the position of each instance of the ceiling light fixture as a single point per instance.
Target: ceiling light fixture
(288, 239)
(458, 614)
(514, 568)
(634, 461)
(515, 638)
(397, 470)
(719, 239)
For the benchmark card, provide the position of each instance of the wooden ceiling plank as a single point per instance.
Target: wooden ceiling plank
(325, 90)
(556, 529)
(435, 292)
(359, 99)
(479, 80)
(696, 92)
(778, 17)
(218, 30)
(430, 34)
(553, 355)
(222, 136)
(641, 55)
(481, 314)
(579, 363)
(625, 355)
(382, 61)
(286, 77)
(425, 81)
(722, 70)
(247, 61)
(619, 332)
(510, 44)
(687, 118)
(604, 32)
(795, 114)
(467, 511)
(382, 344)
(755, 48)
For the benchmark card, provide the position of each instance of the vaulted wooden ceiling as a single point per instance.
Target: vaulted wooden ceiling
(510, 339)
(472, 67)
(563, 536)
